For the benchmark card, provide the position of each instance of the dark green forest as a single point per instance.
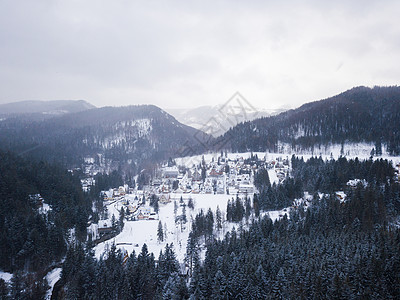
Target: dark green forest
(30, 241)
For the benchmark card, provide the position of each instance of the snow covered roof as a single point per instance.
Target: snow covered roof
(105, 223)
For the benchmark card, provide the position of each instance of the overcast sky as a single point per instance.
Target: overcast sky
(193, 53)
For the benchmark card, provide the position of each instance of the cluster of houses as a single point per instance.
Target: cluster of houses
(221, 175)
(134, 202)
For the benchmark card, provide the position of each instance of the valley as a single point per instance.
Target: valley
(122, 190)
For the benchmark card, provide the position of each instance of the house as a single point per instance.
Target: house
(196, 175)
(156, 182)
(141, 216)
(153, 216)
(208, 189)
(146, 213)
(341, 196)
(246, 188)
(132, 209)
(37, 200)
(178, 191)
(214, 173)
(121, 191)
(104, 227)
(164, 199)
(170, 172)
(108, 196)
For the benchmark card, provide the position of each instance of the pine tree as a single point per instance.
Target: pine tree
(171, 288)
(247, 208)
(219, 286)
(209, 223)
(218, 217)
(175, 208)
(3, 289)
(165, 231)
(160, 233)
(114, 224)
(192, 253)
(190, 203)
(121, 219)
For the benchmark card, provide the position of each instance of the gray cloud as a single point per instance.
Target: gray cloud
(180, 54)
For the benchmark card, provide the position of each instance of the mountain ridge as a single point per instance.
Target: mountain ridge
(360, 114)
(122, 136)
(51, 107)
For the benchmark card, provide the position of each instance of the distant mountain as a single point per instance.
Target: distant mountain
(117, 137)
(361, 114)
(37, 108)
(220, 117)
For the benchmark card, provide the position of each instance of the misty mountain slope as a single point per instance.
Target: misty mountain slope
(358, 115)
(35, 108)
(221, 116)
(131, 134)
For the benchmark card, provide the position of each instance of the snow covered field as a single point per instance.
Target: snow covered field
(137, 233)
(349, 150)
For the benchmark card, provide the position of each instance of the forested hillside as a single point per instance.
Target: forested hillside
(31, 238)
(127, 136)
(358, 115)
(40, 204)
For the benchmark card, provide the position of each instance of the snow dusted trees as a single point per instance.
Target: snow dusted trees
(218, 217)
(235, 210)
(154, 203)
(192, 252)
(138, 277)
(182, 218)
(261, 179)
(190, 203)
(160, 232)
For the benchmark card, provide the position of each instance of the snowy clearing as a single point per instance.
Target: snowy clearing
(52, 277)
(137, 233)
(6, 276)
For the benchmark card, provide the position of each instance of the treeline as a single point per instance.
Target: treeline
(31, 240)
(326, 176)
(276, 196)
(117, 276)
(332, 175)
(317, 175)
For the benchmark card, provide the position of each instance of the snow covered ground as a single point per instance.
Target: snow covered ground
(349, 150)
(52, 277)
(5, 276)
(137, 233)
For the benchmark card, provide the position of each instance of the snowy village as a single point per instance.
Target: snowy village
(182, 189)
